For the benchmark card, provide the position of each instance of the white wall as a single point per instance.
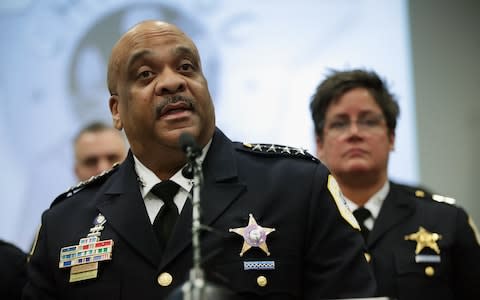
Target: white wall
(446, 56)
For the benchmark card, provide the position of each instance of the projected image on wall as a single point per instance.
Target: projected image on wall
(262, 59)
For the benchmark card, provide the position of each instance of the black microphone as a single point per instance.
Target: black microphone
(189, 145)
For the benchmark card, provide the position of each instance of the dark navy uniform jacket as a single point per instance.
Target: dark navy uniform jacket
(13, 271)
(404, 275)
(316, 253)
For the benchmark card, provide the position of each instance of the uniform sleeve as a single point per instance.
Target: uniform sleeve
(466, 257)
(40, 284)
(336, 264)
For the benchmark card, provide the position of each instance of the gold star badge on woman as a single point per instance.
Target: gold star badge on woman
(253, 235)
(424, 238)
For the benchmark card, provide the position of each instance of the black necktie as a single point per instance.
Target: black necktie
(167, 216)
(361, 214)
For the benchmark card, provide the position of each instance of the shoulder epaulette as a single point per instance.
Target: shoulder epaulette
(82, 184)
(440, 198)
(419, 193)
(280, 150)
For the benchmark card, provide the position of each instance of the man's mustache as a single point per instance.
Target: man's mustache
(188, 101)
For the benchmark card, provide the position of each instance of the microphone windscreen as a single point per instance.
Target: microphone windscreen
(187, 141)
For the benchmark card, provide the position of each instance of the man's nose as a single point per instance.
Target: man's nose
(103, 165)
(170, 82)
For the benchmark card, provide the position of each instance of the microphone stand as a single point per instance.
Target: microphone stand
(193, 289)
(196, 288)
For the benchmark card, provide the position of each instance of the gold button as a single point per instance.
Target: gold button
(262, 281)
(367, 257)
(165, 279)
(429, 271)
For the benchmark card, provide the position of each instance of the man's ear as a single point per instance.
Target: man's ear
(114, 109)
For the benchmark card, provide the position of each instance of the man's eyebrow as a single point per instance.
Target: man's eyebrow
(185, 50)
(178, 51)
(136, 56)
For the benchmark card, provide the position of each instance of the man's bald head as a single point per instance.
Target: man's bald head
(135, 38)
(158, 91)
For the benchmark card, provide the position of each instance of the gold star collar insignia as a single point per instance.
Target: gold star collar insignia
(424, 239)
(253, 235)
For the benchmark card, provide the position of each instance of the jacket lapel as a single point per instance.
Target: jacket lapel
(220, 189)
(123, 207)
(395, 208)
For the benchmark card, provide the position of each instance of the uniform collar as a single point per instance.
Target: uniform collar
(375, 202)
(147, 179)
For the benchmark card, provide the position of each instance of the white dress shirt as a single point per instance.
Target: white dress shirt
(147, 180)
(373, 204)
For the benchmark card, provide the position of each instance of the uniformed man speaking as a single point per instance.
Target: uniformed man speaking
(279, 227)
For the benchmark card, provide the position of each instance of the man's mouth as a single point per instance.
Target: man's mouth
(173, 111)
(175, 108)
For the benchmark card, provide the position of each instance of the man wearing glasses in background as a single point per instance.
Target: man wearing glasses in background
(419, 248)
